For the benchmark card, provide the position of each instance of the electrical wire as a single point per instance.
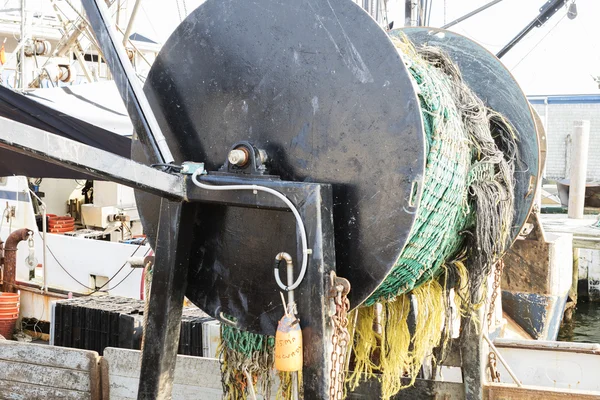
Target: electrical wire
(291, 206)
(2, 220)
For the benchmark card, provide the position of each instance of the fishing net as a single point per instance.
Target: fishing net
(247, 359)
(462, 226)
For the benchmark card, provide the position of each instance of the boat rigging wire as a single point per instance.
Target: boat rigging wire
(538, 43)
(95, 290)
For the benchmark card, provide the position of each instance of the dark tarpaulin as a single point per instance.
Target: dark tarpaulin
(20, 108)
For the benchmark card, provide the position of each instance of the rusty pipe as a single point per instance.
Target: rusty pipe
(10, 258)
(1, 259)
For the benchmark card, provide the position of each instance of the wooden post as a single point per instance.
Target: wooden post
(579, 158)
(578, 175)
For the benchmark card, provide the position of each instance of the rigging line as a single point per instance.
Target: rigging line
(157, 36)
(94, 290)
(116, 273)
(428, 17)
(123, 280)
(179, 11)
(537, 44)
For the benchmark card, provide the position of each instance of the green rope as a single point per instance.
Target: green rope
(467, 177)
(246, 343)
(244, 354)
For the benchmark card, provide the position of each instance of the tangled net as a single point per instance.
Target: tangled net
(462, 227)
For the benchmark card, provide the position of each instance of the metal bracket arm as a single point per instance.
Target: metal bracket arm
(133, 96)
(77, 156)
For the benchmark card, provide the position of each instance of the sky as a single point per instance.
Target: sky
(559, 58)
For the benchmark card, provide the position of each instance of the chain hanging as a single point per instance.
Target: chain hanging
(499, 267)
(340, 288)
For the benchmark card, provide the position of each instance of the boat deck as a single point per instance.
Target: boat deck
(586, 232)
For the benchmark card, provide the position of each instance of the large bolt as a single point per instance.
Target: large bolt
(238, 157)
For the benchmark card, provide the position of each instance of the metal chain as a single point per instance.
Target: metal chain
(499, 267)
(497, 280)
(495, 375)
(340, 288)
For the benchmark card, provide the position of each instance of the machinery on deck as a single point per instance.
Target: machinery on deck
(306, 99)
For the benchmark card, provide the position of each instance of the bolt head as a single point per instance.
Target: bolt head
(237, 157)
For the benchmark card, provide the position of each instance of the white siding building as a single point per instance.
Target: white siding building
(558, 114)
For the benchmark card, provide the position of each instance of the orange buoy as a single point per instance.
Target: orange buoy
(288, 344)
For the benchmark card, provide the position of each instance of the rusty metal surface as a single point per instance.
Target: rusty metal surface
(10, 259)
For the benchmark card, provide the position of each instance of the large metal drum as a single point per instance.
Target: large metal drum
(321, 88)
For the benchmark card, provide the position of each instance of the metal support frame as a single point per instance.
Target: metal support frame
(129, 87)
(546, 12)
(315, 205)
(68, 153)
(314, 202)
(472, 13)
(169, 282)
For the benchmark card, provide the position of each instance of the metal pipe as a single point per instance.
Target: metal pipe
(472, 13)
(22, 50)
(414, 13)
(10, 258)
(290, 274)
(44, 242)
(136, 6)
(291, 305)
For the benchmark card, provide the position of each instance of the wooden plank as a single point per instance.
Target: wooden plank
(498, 391)
(540, 345)
(25, 391)
(582, 242)
(526, 267)
(126, 388)
(51, 356)
(195, 377)
(104, 380)
(61, 378)
(194, 371)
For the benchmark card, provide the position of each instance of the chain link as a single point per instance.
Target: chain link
(499, 267)
(340, 338)
(495, 375)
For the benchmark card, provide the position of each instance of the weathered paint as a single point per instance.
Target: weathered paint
(195, 377)
(539, 315)
(31, 371)
(536, 282)
(556, 365)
